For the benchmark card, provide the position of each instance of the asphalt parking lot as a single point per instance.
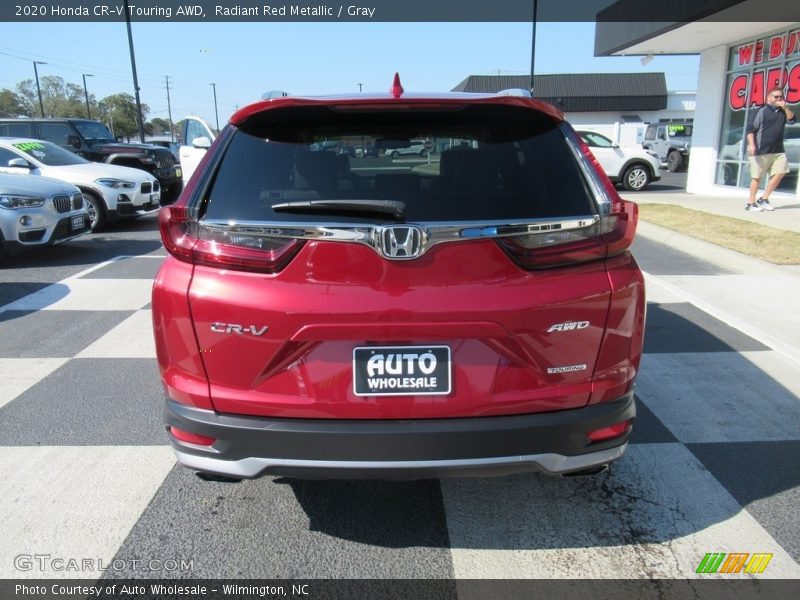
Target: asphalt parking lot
(712, 465)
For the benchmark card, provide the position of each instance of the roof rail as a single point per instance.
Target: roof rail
(515, 92)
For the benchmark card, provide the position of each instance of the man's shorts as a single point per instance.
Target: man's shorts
(768, 163)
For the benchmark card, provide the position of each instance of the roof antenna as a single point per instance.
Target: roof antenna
(396, 90)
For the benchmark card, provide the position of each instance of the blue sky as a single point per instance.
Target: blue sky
(247, 59)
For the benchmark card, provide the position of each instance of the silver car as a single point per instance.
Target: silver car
(39, 211)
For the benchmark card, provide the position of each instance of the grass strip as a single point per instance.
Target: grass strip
(777, 246)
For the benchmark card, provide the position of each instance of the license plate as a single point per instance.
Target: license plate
(155, 197)
(401, 371)
(77, 223)
(178, 172)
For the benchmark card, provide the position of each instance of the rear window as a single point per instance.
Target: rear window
(476, 163)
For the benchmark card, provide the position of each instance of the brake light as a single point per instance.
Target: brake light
(186, 240)
(612, 235)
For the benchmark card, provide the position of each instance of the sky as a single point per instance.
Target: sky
(245, 60)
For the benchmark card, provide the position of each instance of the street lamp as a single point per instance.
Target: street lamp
(216, 114)
(39, 89)
(86, 93)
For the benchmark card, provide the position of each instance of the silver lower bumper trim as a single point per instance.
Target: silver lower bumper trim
(248, 468)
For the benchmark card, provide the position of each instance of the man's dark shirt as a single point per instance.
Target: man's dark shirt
(769, 137)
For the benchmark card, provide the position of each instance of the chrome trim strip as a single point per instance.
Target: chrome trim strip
(253, 466)
(433, 232)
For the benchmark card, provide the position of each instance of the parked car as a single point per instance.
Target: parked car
(634, 168)
(93, 141)
(173, 147)
(671, 141)
(39, 211)
(415, 147)
(197, 136)
(112, 193)
(320, 319)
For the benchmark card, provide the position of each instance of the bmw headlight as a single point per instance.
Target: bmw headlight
(13, 202)
(116, 184)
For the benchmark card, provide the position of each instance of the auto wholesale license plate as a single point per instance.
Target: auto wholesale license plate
(401, 370)
(77, 223)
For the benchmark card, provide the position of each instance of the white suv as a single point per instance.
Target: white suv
(112, 192)
(633, 167)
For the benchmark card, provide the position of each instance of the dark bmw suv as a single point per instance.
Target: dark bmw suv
(471, 311)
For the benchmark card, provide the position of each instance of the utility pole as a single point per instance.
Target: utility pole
(39, 89)
(133, 69)
(86, 93)
(169, 112)
(216, 114)
(533, 43)
(359, 86)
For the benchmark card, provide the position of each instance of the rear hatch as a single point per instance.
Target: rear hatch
(467, 282)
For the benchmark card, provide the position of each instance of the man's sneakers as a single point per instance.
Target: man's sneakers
(759, 206)
(764, 204)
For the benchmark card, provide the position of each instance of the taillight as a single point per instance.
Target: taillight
(610, 236)
(188, 241)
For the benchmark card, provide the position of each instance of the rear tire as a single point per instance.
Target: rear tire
(636, 178)
(395, 154)
(97, 211)
(674, 161)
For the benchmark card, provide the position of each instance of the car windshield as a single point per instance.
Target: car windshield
(468, 163)
(49, 154)
(92, 130)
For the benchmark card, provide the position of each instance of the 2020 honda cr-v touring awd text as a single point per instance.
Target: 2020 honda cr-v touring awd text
(475, 311)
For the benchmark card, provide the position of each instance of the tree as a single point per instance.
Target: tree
(11, 104)
(59, 98)
(119, 111)
(160, 126)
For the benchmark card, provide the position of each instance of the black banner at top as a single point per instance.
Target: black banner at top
(199, 11)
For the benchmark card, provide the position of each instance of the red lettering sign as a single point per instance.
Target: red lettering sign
(776, 77)
(745, 54)
(793, 92)
(738, 93)
(757, 89)
(775, 47)
(759, 51)
(793, 43)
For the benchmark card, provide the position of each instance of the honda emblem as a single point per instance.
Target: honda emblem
(401, 241)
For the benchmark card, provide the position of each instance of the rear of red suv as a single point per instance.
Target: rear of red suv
(329, 314)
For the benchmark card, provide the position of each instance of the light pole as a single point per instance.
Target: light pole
(216, 114)
(86, 93)
(38, 89)
(359, 86)
(139, 116)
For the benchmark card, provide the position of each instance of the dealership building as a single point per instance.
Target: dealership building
(742, 57)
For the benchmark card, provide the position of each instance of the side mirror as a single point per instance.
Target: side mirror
(20, 163)
(615, 145)
(202, 143)
(74, 141)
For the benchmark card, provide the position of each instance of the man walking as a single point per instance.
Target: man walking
(765, 147)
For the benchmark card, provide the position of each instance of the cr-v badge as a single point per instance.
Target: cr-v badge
(240, 329)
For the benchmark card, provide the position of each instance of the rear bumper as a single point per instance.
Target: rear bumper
(248, 447)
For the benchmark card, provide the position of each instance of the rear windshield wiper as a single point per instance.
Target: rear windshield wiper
(394, 208)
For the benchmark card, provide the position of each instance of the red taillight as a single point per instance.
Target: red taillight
(612, 235)
(609, 433)
(185, 239)
(191, 438)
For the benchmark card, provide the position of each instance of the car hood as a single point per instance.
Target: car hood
(28, 185)
(118, 147)
(86, 173)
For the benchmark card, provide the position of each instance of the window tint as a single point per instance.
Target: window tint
(5, 156)
(16, 130)
(49, 154)
(596, 140)
(55, 132)
(479, 163)
(194, 129)
(94, 131)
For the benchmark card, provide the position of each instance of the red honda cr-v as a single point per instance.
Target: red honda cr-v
(471, 308)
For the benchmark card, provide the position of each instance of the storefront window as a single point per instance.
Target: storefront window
(755, 67)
